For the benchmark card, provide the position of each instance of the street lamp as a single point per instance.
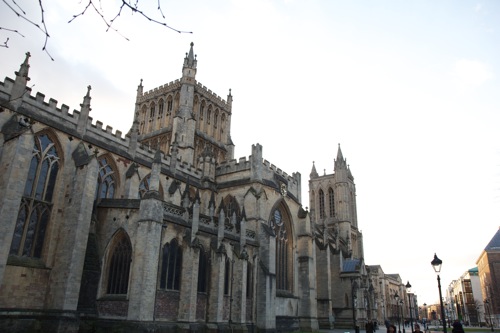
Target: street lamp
(436, 264)
(489, 313)
(425, 318)
(408, 290)
(402, 314)
(396, 297)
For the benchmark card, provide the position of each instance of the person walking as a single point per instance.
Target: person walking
(417, 329)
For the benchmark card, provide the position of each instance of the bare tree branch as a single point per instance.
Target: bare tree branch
(132, 5)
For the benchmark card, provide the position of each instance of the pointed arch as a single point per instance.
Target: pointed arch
(227, 276)
(107, 180)
(321, 196)
(232, 209)
(170, 104)
(161, 107)
(203, 270)
(176, 102)
(222, 125)
(143, 119)
(170, 274)
(144, 186)
(37, 200)
(209, 114)
(281, 222)
(331, 202)
(118, 264)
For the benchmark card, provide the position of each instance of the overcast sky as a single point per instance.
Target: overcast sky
(409, 89)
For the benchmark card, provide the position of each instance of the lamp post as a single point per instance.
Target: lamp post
(489, 313)
(436, 264)
(401, 302)
(408, 290)
(425, 317)
(396, 297)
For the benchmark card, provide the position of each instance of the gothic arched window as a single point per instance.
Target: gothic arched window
(249, 281)
(232, 210)
(331, 200)
(119, 265)
(209, 114)
(171, 266)
(202, 110)
(152, 110)
(227, 277)
(105, 180)
(170, 104)
(202, 272)
(321, 204)
(36, 203)
(281, 224)
(161, 105)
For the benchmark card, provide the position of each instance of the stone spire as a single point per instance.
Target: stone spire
(340, 161)
(314, 173)
(189, 67)
(84, 113)
(19, 88)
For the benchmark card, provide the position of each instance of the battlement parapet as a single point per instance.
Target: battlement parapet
(209, 94)
(233, 166)
(279, 172)
(158, 91)
(37, 108)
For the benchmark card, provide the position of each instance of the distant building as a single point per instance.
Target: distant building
(163, 230)
(464, 299)
(488, 265)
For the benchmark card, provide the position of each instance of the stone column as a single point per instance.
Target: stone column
(144, 270)
(73, 229)
(14, 165)
(266, 280)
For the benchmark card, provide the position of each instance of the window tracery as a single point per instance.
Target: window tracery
(331, 200)
(171, 266)
(36, 203)
(119, 266)
(105, 180)
(321, 204)
(280, 224)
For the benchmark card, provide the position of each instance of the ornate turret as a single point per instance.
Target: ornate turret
(20, 83)
(84, 113)
(314, 173)
(189, 68)
(184, 124)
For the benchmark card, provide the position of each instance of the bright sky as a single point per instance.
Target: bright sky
(409, 89)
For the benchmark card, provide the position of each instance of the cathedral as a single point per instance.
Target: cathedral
(162, 229)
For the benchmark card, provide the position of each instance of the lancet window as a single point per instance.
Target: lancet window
(281, 225)
(171, 266)
(36, 203)
(105, 180)
(321, 204)
(203, 271)
(119, 265)
(331, 200)
(227, 277)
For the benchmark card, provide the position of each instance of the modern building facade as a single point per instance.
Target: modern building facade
(464, 299)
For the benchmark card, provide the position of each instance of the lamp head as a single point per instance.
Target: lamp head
(396, 296)
(436, 263)
(408, 287)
